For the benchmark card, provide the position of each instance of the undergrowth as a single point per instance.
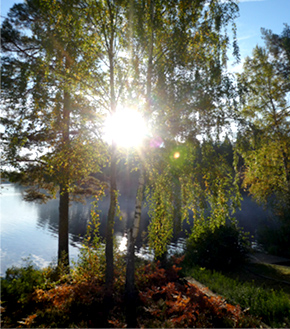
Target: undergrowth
(175, 303)
(272, 306)
(47, 298)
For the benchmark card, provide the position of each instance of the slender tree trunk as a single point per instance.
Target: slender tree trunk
(130, 289)
(110, 222)
(177, 206)
(113, 178)
(63, 241)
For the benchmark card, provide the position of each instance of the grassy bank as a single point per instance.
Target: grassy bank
(47, 298)
(261, 289)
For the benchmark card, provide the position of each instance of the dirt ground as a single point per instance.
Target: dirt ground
(259, 257)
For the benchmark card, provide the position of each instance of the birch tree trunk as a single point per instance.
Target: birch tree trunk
(130, 289)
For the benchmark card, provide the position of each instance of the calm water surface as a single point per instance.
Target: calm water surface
(29, 229)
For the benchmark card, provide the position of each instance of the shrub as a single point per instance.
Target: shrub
(275, 241)
(17, 290)
(19, 283)
(91, 264)
(220, 248)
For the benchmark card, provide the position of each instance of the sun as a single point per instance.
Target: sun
(126, 127)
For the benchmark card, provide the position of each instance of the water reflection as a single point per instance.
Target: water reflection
(32, 229)
(79, 216)
(28, 230)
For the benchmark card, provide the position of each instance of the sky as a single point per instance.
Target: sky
(254, 14)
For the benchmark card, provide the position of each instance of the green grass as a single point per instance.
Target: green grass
(247, 287)
(271, 304)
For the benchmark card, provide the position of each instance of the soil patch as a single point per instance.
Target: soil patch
(259, 257)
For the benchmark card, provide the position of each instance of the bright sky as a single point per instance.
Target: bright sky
(254, 14)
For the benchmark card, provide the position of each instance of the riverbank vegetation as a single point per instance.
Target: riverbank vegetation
(50, 297)
(249, 295)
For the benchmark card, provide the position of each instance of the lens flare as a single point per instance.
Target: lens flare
(126, 127)
(176, 155)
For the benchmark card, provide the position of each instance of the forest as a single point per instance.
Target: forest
(75, 71)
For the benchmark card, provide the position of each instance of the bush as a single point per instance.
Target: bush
(275, 241)
(19, 283)
(17, 291)
(221, 248)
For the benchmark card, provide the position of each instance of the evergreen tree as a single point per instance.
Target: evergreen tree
(49, 137)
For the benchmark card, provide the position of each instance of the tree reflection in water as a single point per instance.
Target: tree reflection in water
(31, 228)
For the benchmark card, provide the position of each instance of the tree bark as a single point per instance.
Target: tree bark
(113, 176)
(130, 289)
(63, 241)
(110, 222)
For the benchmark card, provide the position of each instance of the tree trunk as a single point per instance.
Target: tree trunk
(63, 245)
(177, 207)
(110, 222)
(113, 183)
(130, 289)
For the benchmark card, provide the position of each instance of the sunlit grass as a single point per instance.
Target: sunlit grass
(272, 305)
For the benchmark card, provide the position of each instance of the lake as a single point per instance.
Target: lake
(29, 229)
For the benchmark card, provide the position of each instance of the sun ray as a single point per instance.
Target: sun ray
(126, 127)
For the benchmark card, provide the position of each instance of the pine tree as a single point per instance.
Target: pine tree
(49, 138)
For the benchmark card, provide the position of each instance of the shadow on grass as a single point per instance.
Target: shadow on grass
(259, 288)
